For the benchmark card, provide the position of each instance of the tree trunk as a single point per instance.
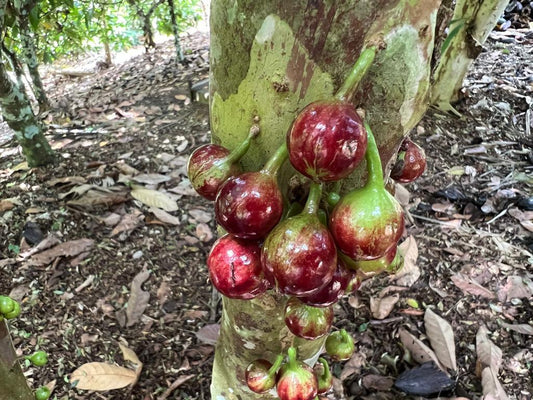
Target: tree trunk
(18, 114)
(268, 60)
(175, 31)
(473, 19)
(29, 51)
(13, 385)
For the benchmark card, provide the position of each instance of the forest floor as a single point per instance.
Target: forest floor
(123, 238)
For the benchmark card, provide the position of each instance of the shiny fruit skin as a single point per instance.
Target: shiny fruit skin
(307, 322)
(300, 254)
(377, 265)
(340, 346)
(235, 268)
(42, 393)
(327, 141)
(15, 312)
(39, 358)
(296, 383)
(207, 170)
(249, 205)
(411, 162)
(7, 305)
(333, 291)
(324, 377)
(366, 223)
(258, 378)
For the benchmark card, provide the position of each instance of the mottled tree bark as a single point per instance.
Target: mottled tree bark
(17, 112)
(476, 19)
(29, 53)
(13, 385)
(175, 31)
(268, 60)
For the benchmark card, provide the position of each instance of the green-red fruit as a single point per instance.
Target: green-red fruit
(15, 312)
(42, 393)
(258, 378)
(296, 380)
(39, 358)
(340, 345)
(306, 321)
(377, 265)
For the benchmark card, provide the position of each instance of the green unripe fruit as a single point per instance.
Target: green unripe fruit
(15, 312)
(39, 358)
(7, 305)
(340, 345)
(42, 393)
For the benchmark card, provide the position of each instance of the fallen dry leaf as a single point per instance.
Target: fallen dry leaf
(128, 223)
(203, 232)
(129, 355)
(524, 329)
(100, 197)
(491, 385)
(201, 215)
(469, 286)
(441, 337)
(516, 287)
(101, 376)
(488, 354)
(378, 382)
(151, 179)
(420, 352)
(409, 273)
(177, 383)
(382, 307)
(154, 198)
(353, 365)
(67, 180)
(67, 249)
(165, 217)
(208, 334)
(138, 300)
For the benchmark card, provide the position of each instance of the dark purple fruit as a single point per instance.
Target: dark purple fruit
(300, 253)
(210, 165)
(410, 163)
(327, 140)
(260, 374)
(333, 291)
(324, 377)
(296, 380)
(340, 345)
(250, 205)
(235, 268)
(306, 321)
(368, 221)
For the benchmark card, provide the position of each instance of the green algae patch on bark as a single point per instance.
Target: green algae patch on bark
(268, 93)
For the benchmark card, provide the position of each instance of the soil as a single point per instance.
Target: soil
(133, 275)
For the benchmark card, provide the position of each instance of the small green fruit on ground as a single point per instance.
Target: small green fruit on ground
(15, 312)
(43, 393)
(39, 358)
(6, 305)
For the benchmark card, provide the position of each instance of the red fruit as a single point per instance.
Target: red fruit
(300, 252)
(340, 345)
(306, 321)
(410, 164)
(327, 140)
(296, 380)
(333, 291)
(210, 165)
(250, 205)
(261, 374)
(324, 377)
(235, 268)
(368, 221)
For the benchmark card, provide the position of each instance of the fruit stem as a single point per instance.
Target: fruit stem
(277, 364)
(313, 199)
(345, 336)
(241, 149)
(292, 357)
(373, 161)
(357, 73)
(276, 161)
(325, 366)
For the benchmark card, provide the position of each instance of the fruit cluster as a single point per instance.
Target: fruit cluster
(311, 259)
